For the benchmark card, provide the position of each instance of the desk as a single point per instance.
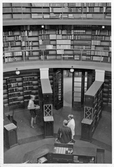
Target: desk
(32, 156)
(82, 154)
(84, 151)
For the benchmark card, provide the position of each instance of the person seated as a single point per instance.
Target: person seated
(64, 134)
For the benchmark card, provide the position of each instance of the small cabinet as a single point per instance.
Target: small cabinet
(86, 128)
(10, 135)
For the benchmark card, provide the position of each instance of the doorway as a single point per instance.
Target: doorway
(82, 80)
(67, 88)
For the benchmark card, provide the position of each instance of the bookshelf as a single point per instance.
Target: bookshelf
(79, 43)
(51, 79)
(77, 89)
(82, 80)
(58, 89)
(17, 89)
(30, 86)
(15, 94)
(92, 110)
(56, 11)
(107, 89)
(5, 93)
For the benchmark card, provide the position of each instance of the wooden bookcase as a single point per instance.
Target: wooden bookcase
(107, 89)
(92, 109)
(5, 93)
(81, 81)
(58, 89)
(86, 43)
(17, 89)
(56, 10)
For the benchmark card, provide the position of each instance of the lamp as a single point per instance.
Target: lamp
(103, 27)
(42, 26)
(17, 71)
(72, 69)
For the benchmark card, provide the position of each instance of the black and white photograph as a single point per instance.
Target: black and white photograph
(57, 83)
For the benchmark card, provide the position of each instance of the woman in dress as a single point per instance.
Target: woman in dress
(32, 107)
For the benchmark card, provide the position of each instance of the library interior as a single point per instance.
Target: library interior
(57, 83)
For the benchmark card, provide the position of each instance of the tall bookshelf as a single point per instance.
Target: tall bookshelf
(15, 93)
(30, 86)
(92, 109)
(56, 11)
(17, 89)
(107, 89)
(5, 93)
(85, 43)
(82, 80)
(58, 89)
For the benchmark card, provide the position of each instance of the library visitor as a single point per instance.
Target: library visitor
(32, 108)
(71, 125)
(64, 133)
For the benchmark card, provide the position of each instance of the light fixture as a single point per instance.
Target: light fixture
(42, 26)
(17, 71)
(103, 27)
(72, 69)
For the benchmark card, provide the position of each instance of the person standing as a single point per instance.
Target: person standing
(71, 125)
(32, 107)
(64, 133)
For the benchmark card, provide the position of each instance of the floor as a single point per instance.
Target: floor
(29, 139)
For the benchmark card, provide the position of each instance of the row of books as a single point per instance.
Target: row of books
(55, 4)
(62, 49)
(57, 16)
(53, 33)
(48, 44)
(61, 39)
(58, 56)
